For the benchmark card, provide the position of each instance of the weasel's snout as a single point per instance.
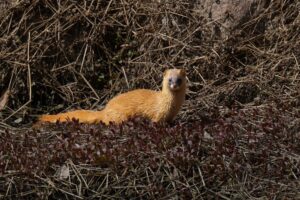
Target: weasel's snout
(175, 82)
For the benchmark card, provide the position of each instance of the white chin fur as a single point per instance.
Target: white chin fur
(174, 87)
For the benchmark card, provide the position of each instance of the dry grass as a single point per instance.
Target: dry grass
(60, 55)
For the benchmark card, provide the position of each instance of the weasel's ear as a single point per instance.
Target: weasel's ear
(165, 72)
(183, 72)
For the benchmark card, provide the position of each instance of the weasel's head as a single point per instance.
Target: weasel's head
(174, 79)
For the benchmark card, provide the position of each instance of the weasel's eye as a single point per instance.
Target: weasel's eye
(179, 81)
(170, 80)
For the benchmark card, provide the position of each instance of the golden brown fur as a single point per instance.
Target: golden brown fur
(156, 105)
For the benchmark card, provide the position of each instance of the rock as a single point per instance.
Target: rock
(228, 15)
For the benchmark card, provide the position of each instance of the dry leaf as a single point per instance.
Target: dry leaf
(4, 99)
(64, 172)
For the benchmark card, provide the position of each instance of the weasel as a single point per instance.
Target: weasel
(158, 106)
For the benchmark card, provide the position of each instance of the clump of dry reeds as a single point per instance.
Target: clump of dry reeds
(61, 53)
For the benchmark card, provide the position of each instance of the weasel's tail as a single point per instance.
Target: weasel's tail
(84, 116)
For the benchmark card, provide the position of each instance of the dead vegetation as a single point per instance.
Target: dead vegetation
(242, 110)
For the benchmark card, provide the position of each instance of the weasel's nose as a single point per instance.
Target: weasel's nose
(174, 83)
(173, 86)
